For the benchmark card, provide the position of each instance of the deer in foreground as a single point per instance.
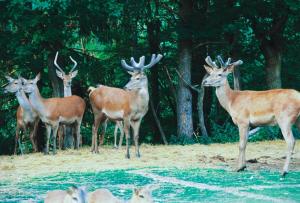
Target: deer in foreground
(72, 195)
(55, 111)
(142, 195)
(27, 118)
(67, 81)
(255, 108)
(129, 105)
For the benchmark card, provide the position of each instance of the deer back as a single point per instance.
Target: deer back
(67, 107)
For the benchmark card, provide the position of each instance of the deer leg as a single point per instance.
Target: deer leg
(243, 132)
(115, 135)
(104, 125)
(94, 135)
(122, 133)
(17, 140)
(55, 128)
(78, 136)
(127, 133)
(60, 137)
(48, 128)
(136, 127)
(290, 140)
(32, 139)
(35, 127)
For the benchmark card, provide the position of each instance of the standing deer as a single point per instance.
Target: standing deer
(27, 118)
(67, 81)
(118, 126)
(129, 105)
(55, 111)
(255, 108)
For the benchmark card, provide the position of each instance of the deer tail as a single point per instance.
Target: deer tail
(90, 90)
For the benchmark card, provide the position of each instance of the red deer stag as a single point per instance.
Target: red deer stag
(255, 108)
(67, 81)
(129, 105)
(55, 111)
(27, 118)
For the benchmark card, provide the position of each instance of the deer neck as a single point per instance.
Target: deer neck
(37, 102)
(67, 91)
(23, 101)
(224, 95)
(140, 97)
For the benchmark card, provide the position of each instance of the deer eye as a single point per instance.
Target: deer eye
(220, 74)
(141, 196)
(75, 198)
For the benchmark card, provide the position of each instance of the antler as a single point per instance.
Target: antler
(75, 63)
(55, 63)
(210, 62)
(140, 66)
(223, 65)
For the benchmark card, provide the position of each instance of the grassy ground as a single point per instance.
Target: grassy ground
(268, 155)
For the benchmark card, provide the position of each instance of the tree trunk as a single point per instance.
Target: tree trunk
(201, 113)
(184, 96)
(273, 65)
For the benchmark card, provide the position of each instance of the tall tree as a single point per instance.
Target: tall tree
(184, 96)
(268, 20)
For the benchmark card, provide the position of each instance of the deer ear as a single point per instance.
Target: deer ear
(136, 191)
(208, 69)
(74, 73)
(59, 74)
(229, 69)
(10, 79)
(130, 73)
(37, 77)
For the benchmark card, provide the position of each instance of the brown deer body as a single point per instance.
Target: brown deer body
(255, 108)
(128, 105)
(55, 111)
(27, 118)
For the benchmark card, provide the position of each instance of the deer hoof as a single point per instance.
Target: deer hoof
(284, 174)
(127, 156)
(138, 155)
(241, 169)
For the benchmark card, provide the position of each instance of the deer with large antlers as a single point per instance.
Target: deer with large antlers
(67, 81)
(129, 105)
(55, 111)
(255, 108)
(27, 118)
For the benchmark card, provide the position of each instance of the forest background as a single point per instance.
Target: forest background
(265, 34)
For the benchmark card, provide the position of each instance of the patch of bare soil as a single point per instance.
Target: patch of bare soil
(266, 155)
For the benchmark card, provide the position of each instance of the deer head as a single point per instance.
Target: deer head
(30, 85)
(142, 195)
(67, 78)
(76, 195)
(14, 85)
(136, 70)
(218, 76)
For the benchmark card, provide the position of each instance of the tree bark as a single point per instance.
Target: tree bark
(273, 59)
(184, 96)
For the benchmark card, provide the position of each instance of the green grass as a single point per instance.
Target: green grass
(175, 185)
